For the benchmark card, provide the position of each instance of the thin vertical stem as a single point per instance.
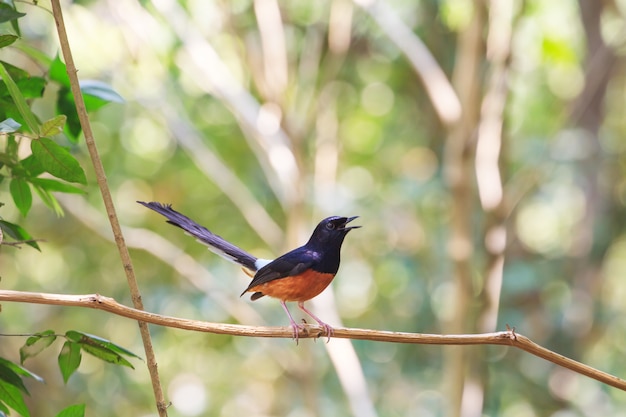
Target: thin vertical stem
(108, 203)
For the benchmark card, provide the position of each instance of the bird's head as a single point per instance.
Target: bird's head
(333, 228)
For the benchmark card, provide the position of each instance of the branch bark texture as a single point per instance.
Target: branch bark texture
(507, 338)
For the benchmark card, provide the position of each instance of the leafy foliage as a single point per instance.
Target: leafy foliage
(77, 410)
(12, 388)
(100, 348)
(18, 90)
(95, 95)
(18, 233)
(19, 124)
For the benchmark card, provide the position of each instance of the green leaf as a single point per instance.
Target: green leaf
(93, 88)
(7, 39)
(69, 359)
(58, 72)
(32, 87)
(12, 147)
(49, 184)
(105, 354)
(23, 198)
(65, 105)
(77, 410)
(31, 166)
(80, 337)
(16, 73)
(57, 160)
(53, 126)
(14, 24)
(20, 370)
(49, 200)
(97, 94)
(8, 109)
(18, 233)
(8, 13)
(100, 348)
(36, 343)
(12, 397)
(5, 160)
(19, 100)
(9, 126)
(11, 377)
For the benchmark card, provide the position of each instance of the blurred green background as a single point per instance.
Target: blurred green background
(488, 174)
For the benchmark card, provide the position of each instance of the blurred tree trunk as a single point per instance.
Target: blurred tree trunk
(587, 116)
(458, 165)
(474, 151)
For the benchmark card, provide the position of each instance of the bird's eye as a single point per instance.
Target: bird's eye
(330, 226)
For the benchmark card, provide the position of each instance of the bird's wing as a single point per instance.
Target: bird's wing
(290, 264)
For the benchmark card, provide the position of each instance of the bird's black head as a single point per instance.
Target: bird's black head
(326, 241)
(332, 229)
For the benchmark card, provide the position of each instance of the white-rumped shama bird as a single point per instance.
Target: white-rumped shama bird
(298, 275)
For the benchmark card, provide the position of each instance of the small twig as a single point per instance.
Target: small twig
(17, 243)
(29, 335)
(108, 204)
(509, 337)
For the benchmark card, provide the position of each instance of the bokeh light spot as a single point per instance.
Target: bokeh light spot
(188, 395)
(377, 99)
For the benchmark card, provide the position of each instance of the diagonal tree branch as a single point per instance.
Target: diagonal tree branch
(439, 89)
(507, 338)
(72, 73)
(167, 106)
(272, 149)
(217, 170)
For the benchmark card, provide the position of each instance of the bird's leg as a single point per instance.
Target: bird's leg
(329, 330)
(295, 326)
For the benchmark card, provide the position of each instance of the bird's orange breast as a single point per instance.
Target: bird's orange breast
(301, 287)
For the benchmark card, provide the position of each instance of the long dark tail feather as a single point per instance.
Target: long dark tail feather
(215, 243)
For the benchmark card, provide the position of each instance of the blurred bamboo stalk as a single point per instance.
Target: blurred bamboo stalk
(260, 125)
(325, 166)
(274, 49)
(489, 146)
(459, 173)
(460, 379)
(457, 105)
(445, 101)
(587, 115)
(214, 168)
(167, 106)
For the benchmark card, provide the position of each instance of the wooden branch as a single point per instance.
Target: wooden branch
(508, 337)
(96, 162)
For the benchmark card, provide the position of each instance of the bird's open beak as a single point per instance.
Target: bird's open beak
(348, 220)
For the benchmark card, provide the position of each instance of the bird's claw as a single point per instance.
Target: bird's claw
(328, 330)
(295, 327)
